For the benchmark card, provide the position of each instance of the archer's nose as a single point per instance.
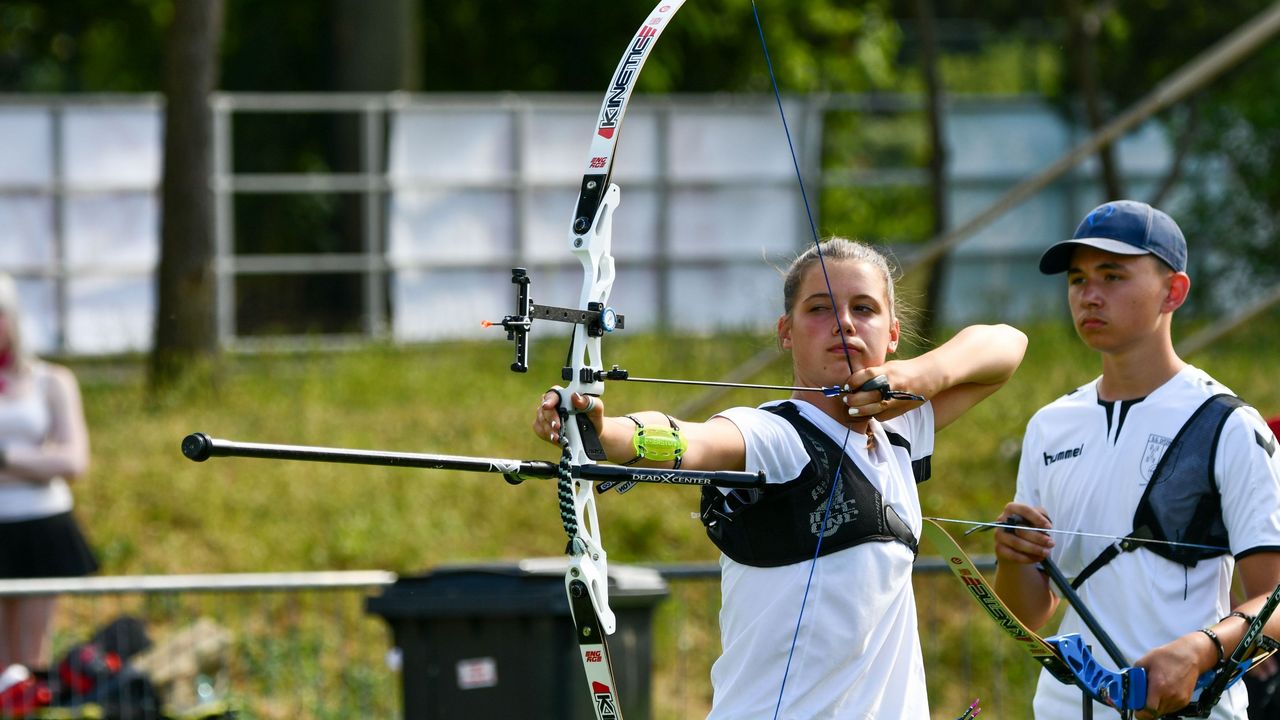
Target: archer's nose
(1090, 297)
(844, 325)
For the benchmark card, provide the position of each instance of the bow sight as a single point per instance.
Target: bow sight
(597, 319)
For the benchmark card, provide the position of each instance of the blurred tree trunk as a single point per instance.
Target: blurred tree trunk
(186, 329)
(372, 52)
(1082, 37)
(377, 51)
(935, 288)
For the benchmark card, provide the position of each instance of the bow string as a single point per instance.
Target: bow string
(883, 386)
(981, 526)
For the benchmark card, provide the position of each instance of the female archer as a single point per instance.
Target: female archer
(841, 498)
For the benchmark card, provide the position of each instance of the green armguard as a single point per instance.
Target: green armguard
(658, 444)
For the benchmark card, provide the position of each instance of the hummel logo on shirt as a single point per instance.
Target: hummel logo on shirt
(1063, 455)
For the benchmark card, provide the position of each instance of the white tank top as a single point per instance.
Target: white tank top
(25, 421)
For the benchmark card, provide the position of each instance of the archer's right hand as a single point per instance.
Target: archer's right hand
(1023, 546)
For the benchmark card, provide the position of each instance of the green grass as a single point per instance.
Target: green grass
(149, 510)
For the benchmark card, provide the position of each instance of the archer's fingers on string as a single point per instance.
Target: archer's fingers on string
(856, 397)
(1039, 552)
(1007, 554)
(867, 409)
(1025, 518)
(1020, 550)
(1032, 540)
(1022, 558)
(864, 406)
(1033, 517)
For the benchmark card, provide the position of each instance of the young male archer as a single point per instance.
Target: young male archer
(1153, 449)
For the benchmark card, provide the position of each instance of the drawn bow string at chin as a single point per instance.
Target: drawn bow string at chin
(879, 382)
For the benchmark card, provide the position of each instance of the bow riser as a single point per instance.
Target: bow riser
(590, 240)
(593, 250)
(1123, 690)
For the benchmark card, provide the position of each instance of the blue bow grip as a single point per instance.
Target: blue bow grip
(1124, 690)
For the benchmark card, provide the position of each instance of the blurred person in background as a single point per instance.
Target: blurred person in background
(1153, 448)
(44, 444)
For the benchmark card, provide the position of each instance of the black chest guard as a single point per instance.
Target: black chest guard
(1181, 503)
(783, 523)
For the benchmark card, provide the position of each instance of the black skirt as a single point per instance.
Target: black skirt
(44, 547)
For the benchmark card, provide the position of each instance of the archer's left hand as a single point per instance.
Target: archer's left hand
(1172, 671)
(546, 422)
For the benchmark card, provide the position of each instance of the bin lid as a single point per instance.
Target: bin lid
(533, 586)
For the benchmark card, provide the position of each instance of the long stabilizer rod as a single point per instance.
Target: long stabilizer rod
(200, 447)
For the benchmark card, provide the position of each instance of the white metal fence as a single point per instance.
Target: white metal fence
(453, 190)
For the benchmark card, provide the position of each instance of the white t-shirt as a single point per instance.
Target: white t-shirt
(1088, 463)
(858, 650)
(25, 421)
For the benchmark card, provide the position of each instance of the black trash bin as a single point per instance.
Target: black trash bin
(497, 640)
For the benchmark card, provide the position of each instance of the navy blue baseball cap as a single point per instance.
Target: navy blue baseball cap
(1124, 227)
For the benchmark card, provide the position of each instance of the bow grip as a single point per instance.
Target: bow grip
(1198, 707)
(1123, 690)
(591, 445)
